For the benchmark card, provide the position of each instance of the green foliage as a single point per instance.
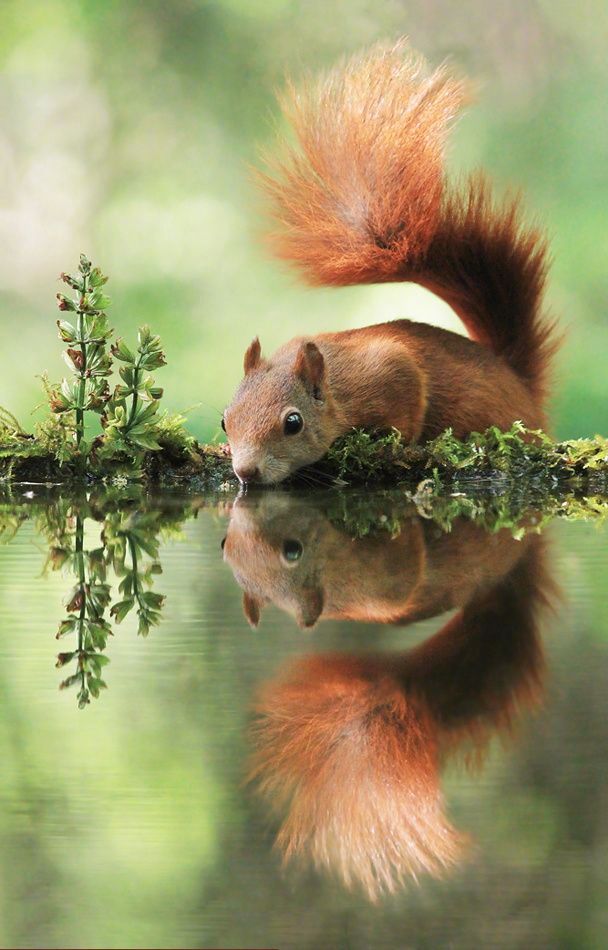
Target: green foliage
(519, 450)
(173, 437)
(129, 539)
(130, 417)
(520, 510)
(131, 425)
(86, 356)
(363, 458)
(128, 547)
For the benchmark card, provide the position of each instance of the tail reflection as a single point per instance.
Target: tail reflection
(349, 748)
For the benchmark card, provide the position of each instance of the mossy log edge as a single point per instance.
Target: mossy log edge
(358, 459)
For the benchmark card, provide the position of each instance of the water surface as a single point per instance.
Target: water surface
(343, 723)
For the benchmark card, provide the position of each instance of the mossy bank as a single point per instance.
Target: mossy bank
(358, 459)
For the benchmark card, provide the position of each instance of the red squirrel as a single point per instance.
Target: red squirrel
(283, 549)
(349, 748)
(362, 198)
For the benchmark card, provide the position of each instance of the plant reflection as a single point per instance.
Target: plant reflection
(97, 538)
(349, 748)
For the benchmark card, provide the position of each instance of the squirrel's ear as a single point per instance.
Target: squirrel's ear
(252, 608)
(311, 607)
(310, 365)
(253, 356)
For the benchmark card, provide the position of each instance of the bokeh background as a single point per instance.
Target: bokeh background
(128, 130)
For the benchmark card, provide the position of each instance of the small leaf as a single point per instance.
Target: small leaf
(85, 265)
(153, 600)
(144, 336)
(67, 332)
(96, 278)
(65, 303)
(127, 375)
(98, 301)
(144, 441)
(153, 360)
(98, 635)
(83, 698)
(143, 628)
(120, 610)
(146, 413)
(65, 627)
(122, 352)
(72, 282)
(70, 681)
(74, 359)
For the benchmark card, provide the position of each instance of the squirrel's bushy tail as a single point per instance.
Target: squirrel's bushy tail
(354, 761)
(361, 198)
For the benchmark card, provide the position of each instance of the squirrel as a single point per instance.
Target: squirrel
(284, 549)
(362, 199)
(349, 748)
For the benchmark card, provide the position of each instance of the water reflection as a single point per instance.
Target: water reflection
(372, 559)
(349, 748)
(93, 539)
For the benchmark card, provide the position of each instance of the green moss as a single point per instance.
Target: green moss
(517, 457)
(361, 458)
(519, 510)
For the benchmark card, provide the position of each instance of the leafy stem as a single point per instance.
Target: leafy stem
(83, 364)
(136, 382)
(86, 355)
(130, 547)
(83, 694)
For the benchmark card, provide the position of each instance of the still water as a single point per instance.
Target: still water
(339, 721)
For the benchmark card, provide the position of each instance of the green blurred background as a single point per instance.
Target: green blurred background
(128, 130)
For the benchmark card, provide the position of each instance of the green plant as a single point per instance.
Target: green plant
(361, 457)
(86, 606)
(135, 534)
(86, 356)
(129, 542)
(128, 414)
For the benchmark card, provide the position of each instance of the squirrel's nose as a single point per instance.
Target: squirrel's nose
(247, 475)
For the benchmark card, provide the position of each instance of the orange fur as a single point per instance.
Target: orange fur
(373, 579)
(349, 748)
(362, 198)
(363, 192)
(354, 761)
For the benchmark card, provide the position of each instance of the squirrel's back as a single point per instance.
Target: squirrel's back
(362, 198)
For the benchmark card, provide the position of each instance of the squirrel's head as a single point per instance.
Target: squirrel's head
(282, 417)
(284, 549)
(273, 544)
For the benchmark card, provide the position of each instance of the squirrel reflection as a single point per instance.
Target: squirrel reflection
(349, 748)
(283, 549)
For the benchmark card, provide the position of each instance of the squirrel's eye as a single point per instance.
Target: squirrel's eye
(293, 423)
(222, 543)
(223, 424)
(292, 550)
